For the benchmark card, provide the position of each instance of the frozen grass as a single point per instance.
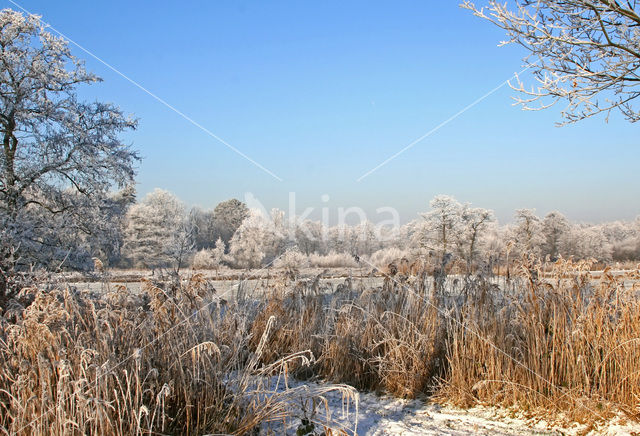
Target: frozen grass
(172, 360)
(332, 260)
(563, 344)
(178, 359)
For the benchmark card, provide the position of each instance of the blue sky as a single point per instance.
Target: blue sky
(320, 93)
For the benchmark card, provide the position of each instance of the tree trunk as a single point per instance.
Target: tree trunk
(10, 144)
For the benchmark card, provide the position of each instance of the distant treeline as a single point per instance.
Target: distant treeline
(160, 232)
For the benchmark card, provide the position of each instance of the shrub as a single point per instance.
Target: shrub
(204, 259)
(382, 258)
(332, 260)
(292, 259)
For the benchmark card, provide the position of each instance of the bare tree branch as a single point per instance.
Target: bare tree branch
(583, 52)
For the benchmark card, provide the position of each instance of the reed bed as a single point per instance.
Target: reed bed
(551, 341)
(563, 344)
(177, 359)
(172, 360)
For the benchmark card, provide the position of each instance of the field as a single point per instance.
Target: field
(264, 351)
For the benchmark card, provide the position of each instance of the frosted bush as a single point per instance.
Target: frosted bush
(332, 260)
(204, 259)
(292, 259)
(384, 257)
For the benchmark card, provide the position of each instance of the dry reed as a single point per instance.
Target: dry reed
(178, 360)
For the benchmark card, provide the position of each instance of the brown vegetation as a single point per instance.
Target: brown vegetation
(176, 359)
(562, 344)
(173, 360)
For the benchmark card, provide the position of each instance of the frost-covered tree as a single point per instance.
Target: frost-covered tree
(292, 260)
(441, 227)
(260, 239)
(157, 232)
(528, 232)
(475, 222)
(203, 260)
(309, 236)
(247, 247)
(204, 232)
(179, 247)
(410, 236)
(391, 236)
(89, 229)
(275, 235)
(495, 242)
(227, 218)
(218, 252)
(338, 239)
(583, 52)
(107, 244)
(588, 242)
(555, 230)
(367, 239)
(624, 238)
(99, 235)
(61, 157)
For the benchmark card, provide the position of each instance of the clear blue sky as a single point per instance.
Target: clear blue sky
(321, 92)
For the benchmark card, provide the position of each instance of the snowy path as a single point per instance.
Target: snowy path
(384, 415)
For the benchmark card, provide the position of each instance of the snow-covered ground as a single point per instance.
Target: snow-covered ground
(384, 415)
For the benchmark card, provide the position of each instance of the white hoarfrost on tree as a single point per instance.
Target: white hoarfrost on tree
(61, 157)
(441, 227)
(276, 235)
(218, 252)
(202, 222)
(588, 242)
(475, 222)
(527, 232)
(624, 238)
(309, 236)
(583, 52)
(203, 259)
(247, 244)
(367, 239)
(338, 239)
(227, 218)
(495, 243)
(158, 234)
(556, 231)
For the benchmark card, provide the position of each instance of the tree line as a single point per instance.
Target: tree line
(160, 232)
(66, 177)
